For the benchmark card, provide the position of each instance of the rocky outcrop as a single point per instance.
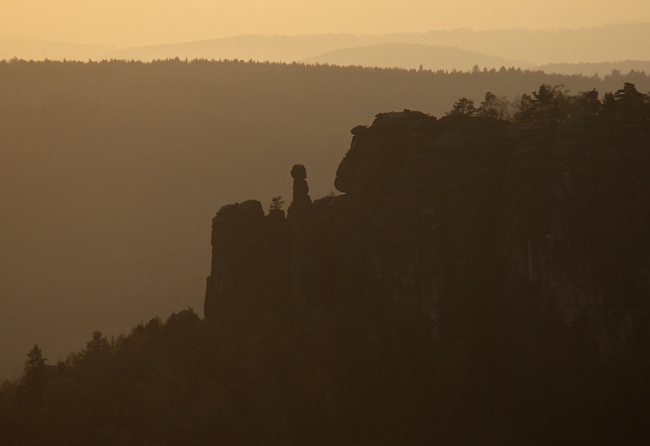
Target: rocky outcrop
(429, 189)
(461, 216)
(573, 225)
(250, 255)
(305, 282)
(301, 205)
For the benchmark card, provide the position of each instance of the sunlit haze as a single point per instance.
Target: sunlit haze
(148, 22)
(367, 222)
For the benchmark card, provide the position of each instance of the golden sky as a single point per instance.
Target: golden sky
(145, 22)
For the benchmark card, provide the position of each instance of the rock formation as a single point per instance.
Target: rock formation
(301, 204)
(304, 273)
(465, 217)
(250, 254)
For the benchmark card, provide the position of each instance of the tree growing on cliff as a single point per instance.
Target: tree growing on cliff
(277, 203)
(462, 107)
(626, 105)
(494, 107)
(547, 105)
(586, 105)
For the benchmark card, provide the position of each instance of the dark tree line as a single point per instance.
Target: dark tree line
(553, 105)
(347, 373)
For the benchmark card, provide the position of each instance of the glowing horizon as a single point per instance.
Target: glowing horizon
(123, 23)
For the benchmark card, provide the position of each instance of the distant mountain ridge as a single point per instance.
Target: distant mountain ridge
(590, 69)
(613, 42)
(413, 55)
(538, 47)
(37, 49)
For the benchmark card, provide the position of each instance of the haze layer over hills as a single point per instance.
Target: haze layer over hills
(112, 172)
(512, 47)
(39, 49)
(412, 55)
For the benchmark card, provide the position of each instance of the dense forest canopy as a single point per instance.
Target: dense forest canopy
(551, 105)
(112, 171)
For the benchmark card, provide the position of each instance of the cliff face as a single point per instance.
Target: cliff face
(573, 225)
(250, 260)
(463, 217)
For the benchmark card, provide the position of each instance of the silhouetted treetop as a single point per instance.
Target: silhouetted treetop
(547, 105)
(554, 105)
(277, 203)
(35, 373)
(494, 107)
(462, 107)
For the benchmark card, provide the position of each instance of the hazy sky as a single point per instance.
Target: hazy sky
(143, 22)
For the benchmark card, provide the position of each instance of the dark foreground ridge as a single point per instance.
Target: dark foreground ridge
(477, 283)
(466, 218)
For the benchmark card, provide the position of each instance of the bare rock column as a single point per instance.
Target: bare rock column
(299, 215)
(301, 205)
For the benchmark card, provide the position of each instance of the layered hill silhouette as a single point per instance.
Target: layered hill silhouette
(477, 280)
(536, 47)
(607, 43)
(111, 172)
(39, 49)
(591, 69)
(411, 55)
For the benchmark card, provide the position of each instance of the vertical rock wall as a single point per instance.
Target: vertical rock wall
(454, 215)
(250, 260)
(574, 224)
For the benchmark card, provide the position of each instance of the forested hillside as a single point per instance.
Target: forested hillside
(111, 172)
(409, 56)
(591, 69)
(478, 281)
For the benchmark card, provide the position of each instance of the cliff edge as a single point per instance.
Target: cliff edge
(466, 218)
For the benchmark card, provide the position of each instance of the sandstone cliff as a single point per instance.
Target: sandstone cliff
(464, 217)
